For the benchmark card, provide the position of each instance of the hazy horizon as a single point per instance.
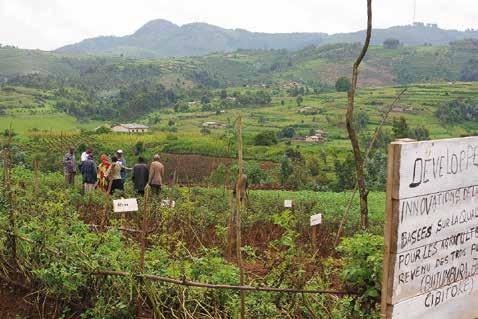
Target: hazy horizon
(55, 23)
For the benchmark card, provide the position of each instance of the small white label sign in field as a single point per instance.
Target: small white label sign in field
(125, 205)
(431, 230)
(168, 203)
(315, 219)
(288, 203)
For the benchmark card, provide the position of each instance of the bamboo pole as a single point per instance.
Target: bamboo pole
(240, 164)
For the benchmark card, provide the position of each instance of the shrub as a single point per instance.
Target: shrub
(343, 84)
(457, 111)
(391, 43)
(287, 132)
(103, 130)
(362, 257)
(265, 138)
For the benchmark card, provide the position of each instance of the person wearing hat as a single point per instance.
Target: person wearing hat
(88, 171)
(122, 162)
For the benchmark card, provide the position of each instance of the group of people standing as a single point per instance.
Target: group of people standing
(111, 175)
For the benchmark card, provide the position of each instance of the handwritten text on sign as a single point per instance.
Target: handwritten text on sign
(125, 205)
(315, 219)
(436, 251)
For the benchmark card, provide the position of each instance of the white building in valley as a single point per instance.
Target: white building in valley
(130, 128)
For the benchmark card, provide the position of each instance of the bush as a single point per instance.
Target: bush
(400, 128)
(362, 257)
(287, 132)
(266, 138)
(343, 84)
(469, 72)
(103, 130)
(457, 111)
(391, 43)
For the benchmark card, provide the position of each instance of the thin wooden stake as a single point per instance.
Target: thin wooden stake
(11, 239)
(144, 229)
(240, 164)
(36, 176)
(315, 228)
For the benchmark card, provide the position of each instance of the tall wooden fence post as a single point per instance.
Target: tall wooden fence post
(240, 164)
(144, 230)
(11, 239)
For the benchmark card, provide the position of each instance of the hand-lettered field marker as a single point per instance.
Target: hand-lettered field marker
(315, 221)
(430, 266)
(125, 205)
(168, 203)
(288, 203)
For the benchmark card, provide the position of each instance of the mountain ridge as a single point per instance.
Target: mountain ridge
(163, 38)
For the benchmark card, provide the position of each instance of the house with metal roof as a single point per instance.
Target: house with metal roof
(130, 128)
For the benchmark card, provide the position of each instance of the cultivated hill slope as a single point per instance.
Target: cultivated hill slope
(161, 38)
(313, 66)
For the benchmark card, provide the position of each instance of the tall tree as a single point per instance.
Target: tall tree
(359, 162)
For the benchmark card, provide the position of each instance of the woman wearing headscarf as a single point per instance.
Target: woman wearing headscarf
(103, 168)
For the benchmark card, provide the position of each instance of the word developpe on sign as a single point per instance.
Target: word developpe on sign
(431, 230)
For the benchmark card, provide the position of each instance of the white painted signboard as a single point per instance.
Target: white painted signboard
(168, 203)
(288, 203)
(315, 219)
(125, 205)
(431, 231)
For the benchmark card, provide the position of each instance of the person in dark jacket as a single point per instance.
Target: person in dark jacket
(69, 166)
(88, 171)
(140, 176)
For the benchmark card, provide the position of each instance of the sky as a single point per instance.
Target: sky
(49, 24)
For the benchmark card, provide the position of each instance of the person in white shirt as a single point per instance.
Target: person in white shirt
(85, 154)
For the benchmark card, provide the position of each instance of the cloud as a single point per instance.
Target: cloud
(49, 24)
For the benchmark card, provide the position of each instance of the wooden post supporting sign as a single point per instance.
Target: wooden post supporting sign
(315, 221)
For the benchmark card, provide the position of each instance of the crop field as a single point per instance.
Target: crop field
(84, 257)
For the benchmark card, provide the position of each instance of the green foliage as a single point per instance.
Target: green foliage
(362, 257)
(458, 111)
(287, 132)
(313, 166)
(103, 130)
(376, 170)
(361, 120)
(469, 72)
(420, 133)
(345, 173)
(255, 175)
(265, 138)
(400, 128)
(286, 169)
(391, 43)
(343, 84)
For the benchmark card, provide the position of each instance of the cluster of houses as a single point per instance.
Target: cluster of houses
(128, 128)
(213, 125)
(319, 136)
